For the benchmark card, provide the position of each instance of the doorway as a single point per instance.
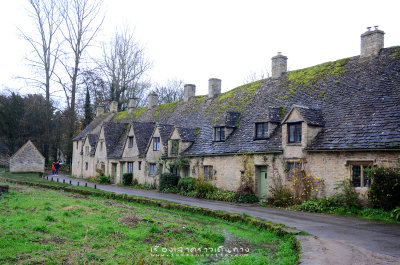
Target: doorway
(262, 184)
(114, 172)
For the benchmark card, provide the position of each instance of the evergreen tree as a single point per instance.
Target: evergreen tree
(88, 110)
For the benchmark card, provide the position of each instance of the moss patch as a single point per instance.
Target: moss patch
(137, 113)
(165, 108)
(308, 78)
(121, 115)
(396, 53)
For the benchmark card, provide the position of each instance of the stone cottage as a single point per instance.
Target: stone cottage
(333, 120)
(27, 159)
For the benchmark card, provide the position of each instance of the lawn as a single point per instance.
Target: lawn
(53, 227)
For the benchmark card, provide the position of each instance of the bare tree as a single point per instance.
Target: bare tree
(124, 65)
(254, 76)
(169, 92)
(45, 52)
(81, 24)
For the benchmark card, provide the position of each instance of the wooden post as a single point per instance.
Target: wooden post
(94, 186)
(78, 183)
(70, 182)
(86, 184)
(63, 180)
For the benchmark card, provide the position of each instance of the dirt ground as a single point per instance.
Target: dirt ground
(321, 251)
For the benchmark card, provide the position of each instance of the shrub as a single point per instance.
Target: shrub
(281, 195)
(347, 195)
(135, 182)
(385, 188)
(99, 171)
(186, 184)
(221, 195)
(168, 180)
(104, 179)
(396, 214)
(249, 198)
(203, 188)
(127, 179)
(304, 185)
(320, 205)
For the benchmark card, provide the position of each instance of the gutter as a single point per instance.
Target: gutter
(353, 150)
(230, 154)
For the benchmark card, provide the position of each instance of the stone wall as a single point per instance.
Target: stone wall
(27, 159)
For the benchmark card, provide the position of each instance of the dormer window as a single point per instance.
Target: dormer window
(156, 143)
(261, 130)
(294, 132)
(130, 144)
(174, 147)
(219, 134)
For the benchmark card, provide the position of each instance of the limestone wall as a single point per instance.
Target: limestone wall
(27, 159)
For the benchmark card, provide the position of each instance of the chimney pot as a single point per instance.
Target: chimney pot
(214, 87)
(99, 110)
(279, 65)
(132, 104)
(153, 100)
(114, 106)
(372, 42)
(189, 91)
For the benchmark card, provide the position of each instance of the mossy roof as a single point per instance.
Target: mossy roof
(355, 100)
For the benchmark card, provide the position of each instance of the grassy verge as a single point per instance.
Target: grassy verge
(42, 226)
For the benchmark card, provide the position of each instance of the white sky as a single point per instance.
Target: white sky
(226, 39)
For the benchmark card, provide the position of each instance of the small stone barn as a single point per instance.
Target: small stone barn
(27, 159)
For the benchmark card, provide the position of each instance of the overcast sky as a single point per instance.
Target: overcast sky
(198, 40)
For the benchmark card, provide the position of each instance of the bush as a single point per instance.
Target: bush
(347, 195)
(127, 179)
(320, 205)
(104, 179)
(203, 188)
(135, 182)
(168, 180)
(396, 214)
(249, 198)
(221, 195)
(186, 184)
(385, 188)
(282, 196)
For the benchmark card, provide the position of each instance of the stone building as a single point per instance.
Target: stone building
(333, 120)
(27, 159)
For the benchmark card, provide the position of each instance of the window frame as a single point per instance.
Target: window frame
(139, 165)
(363, 165)
(297, 138)
(264, 132)
(208, 173)
(154, 166)
(174, 147)
(156, 144)
(130, 141)
(220, 132)
(130, 167)
(86, 166)
(86, 150)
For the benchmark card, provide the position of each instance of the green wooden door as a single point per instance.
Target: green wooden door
(114, 169)
(262, 184)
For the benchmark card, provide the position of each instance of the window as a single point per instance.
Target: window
(360, 175)
(156, 143)
(174, 147)
(130, 167)
(140, 165)
(261, 130)
(219, 134)
(153, 169)
(208, 173)
(292, 165)
(86, 166)
(130, 145)
(294, 132)
(77, 145)
(86, 150)
(101, 146)
(174, 170)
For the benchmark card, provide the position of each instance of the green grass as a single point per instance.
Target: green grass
(54, 227)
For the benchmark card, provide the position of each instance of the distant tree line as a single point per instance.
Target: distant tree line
(62, 43)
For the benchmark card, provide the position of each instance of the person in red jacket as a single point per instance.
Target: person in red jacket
(57, 166)
(53, 168)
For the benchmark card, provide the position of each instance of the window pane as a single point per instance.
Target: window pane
(205, 173)
(367, 176)
(291, 133)
(258, 130)
(265, 130)
(222, 134)
(298, 132)
(356, 177)
(290, 166)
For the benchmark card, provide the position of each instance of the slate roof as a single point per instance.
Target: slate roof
(229, 119)
(95, 124)
(187, 134)
(115, 136)
(93, 141)
(143, 132)
(356, 101)
(165, 132)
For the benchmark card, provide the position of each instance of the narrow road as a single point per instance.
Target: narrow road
(373, 241)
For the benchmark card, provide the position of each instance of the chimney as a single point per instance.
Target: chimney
(153, 100)
(99, 110)
(114, 106)
(214, 87)
(189, 92)
(132, 104)
(371, 42)
(279, 65)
